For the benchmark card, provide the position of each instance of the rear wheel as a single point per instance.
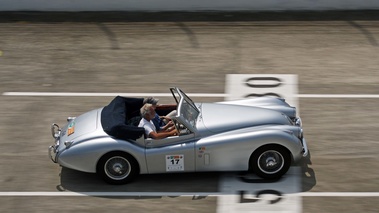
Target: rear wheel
(270, 162)
(117, 168)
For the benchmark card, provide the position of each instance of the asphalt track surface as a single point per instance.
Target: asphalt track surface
(334, 54)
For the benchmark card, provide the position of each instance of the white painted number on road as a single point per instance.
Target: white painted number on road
(240, 86)
(249, 193)
(252, 194)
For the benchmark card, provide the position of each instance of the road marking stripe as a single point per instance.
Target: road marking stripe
(107, 94)
(339, 194)
(215, 95)
(105, 194)
(181, 194)
(337, 96)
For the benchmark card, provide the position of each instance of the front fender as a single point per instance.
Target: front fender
(231, 151)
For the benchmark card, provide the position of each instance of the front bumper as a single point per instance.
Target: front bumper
(53, 153)
(53, 150)
(299, 123)
(305, 147)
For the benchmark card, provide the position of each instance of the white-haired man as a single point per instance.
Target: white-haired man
(148, 113)
(160, 122)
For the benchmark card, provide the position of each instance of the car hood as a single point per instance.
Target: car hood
(220, 117)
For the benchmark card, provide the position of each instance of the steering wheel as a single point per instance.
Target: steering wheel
(177, 125)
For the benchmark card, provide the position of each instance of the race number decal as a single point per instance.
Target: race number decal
(71, 129)
(174, 163)
(241, 86)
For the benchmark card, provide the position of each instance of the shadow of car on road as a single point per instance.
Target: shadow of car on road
(201, 182)
(75, 181)
(308, 174)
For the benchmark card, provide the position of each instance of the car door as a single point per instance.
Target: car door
(172, 154)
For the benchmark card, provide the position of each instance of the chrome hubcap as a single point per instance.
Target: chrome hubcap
(270, 162)
(117, 168)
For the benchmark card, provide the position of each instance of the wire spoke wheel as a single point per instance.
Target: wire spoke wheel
(270, 162)
(117, 168)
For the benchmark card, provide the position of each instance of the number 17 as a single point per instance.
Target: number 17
(175, 160)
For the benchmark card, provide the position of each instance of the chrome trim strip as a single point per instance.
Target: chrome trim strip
(69, 119)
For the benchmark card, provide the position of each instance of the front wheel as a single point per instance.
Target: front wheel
(117, 168)
(270, 162)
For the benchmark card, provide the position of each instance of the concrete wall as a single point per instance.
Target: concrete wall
(185, 5)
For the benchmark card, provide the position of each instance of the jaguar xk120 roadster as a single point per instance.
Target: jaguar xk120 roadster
(262, 135)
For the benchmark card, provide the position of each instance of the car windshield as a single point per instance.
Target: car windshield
(186, 107)
(189, 112)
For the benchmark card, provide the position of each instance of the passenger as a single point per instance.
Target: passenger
(160, 122)
(148, 113)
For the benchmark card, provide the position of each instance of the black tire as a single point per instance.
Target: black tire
(270, 162)
(117, 168)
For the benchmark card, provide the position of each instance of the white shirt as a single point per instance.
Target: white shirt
(148, 125)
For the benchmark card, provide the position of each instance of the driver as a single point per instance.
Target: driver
(148, 113)
(160, 122)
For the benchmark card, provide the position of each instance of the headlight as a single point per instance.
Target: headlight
(298, 132)
(295, 131)
(298, 122)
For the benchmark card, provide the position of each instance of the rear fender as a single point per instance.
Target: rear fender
(84, 156)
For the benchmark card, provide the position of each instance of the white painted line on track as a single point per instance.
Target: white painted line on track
(339, 194)
(105, 194)
(214, 95)
(337, 96)
(180, 194)
(79, 94)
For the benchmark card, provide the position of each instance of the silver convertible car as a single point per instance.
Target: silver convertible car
(262, 135)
